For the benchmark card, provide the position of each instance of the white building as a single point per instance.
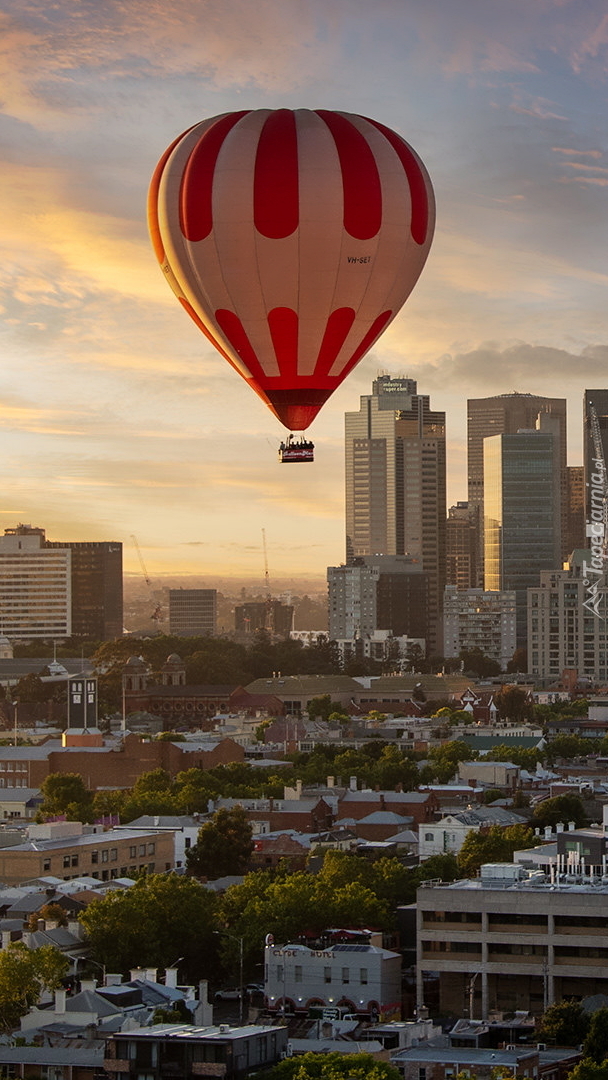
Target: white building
(35, 587)
(478, 619)
(450, 832)
(567, 626)
(363, 978)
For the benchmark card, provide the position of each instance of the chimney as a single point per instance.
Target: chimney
(559, 828)
(60, 996)
(137, 974)
(548, 832)
(171, 977)
(298, 789)
(331, 781)
(151, 974)
(41, 924)
(352, 784)
(382, 801)
(572, 826)
(88, 984)
(113, 979)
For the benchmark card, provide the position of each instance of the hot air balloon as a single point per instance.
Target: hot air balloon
(292, 239)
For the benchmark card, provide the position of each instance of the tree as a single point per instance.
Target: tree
(513, 704)
(332, 1066)
(66, 794)
(562, 808)
(24, 974)
(587, 1069)
(495, 845)
(224, 845)
(595, 1045)
(564, 1024)
(160, 917)
(475, 661)
(51, 911)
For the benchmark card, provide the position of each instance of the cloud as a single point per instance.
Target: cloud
(578, 153)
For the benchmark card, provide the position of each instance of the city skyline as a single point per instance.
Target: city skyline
(117, 418)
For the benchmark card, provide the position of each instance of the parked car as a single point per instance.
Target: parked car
(229, 993)
(254, 988)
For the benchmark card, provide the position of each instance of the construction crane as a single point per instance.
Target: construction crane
(157, 614)
(269, 620)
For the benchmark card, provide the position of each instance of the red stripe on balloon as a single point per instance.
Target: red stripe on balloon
(196, 190)
(374, 331)
(338, 326)
(153, 224)
(275, 182)
(283, 325)
(360, 179)
(232, 327)
(415, 178)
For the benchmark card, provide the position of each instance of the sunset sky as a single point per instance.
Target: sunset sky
(116, 416)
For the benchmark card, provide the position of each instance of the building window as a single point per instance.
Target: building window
(46, 864)
(66, 860)
(104, 855)
(74, 860)
(94, 856)
(345, 975)
(187, 843)
(142, 849)
(151, 848)
(363, 976)
(113, 854)
(327, 974)
(298, 972)
(429, 836)
(132, 851)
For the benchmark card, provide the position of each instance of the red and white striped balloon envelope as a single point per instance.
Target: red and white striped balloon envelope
(292, 238)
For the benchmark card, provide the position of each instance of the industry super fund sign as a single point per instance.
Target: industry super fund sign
(82, 702)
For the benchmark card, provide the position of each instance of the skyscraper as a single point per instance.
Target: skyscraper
(506, 414)
(93, 592)
(522, 514)
(395, 484)
(462, 546)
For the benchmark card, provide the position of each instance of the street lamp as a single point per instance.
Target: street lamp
(233, 937)
(87, 960)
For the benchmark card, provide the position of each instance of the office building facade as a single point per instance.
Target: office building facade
(462, 546)
(395, 484)
(522, 486)
(96, 587)
(192, 612)
(474, 619)
(506, 414)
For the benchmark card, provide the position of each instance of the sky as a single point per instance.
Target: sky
(117, 418)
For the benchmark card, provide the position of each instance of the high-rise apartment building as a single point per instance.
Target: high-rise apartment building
(567, 627)
(599, 400)
(462, 546)
(395, 484)
(522, 520)
(86, 583)
(382, 592)
(474, 619)
(35, 587)
(506, 414)
(192, 612)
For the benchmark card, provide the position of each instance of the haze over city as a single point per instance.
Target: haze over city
(117, 416)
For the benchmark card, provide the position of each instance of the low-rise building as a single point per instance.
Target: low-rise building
(513, 940)
(180, 1050)
(450, 832)
(361, 977)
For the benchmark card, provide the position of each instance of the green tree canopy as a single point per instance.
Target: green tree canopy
(564, 1024)
(24, 974)
(332, 1067)
(158, 919)
(66, 793)
(495, 845)
(595, 1045)
(564, 808)
(224, 845)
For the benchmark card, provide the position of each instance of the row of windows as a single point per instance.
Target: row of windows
(103, 855)
(345, 975)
